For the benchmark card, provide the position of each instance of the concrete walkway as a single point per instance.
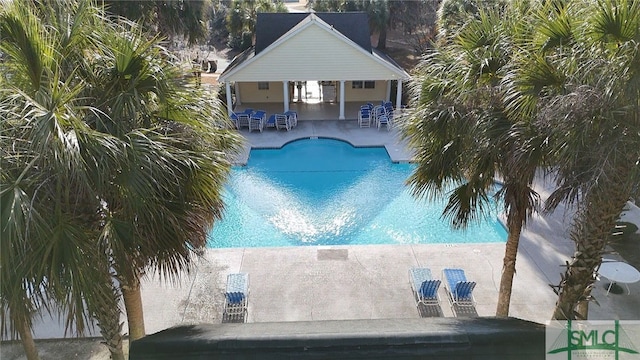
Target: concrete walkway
(368, 282)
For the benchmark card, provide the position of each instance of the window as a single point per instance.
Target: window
(363, 84)
(263, 85)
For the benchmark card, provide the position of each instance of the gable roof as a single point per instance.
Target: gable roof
(314, 49)
(272, 26)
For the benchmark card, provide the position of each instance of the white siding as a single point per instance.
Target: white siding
(314, 54)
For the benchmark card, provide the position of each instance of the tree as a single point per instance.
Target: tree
(379, 17)
(572, 80)
(241, 20)
(597, 138)
(416, 20)
(112, 167)
(185, 18)
(453, 14)
(377, 12)
(464, 137)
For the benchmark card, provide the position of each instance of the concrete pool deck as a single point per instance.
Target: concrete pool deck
(347, 130)
(368, 281)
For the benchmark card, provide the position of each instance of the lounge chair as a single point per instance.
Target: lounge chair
(293, 117)
(257, 120)
(424, 286)
(282, 122)
(271, 121)
(243, 120)
(234, 119)
(236, 297)
(459, 290)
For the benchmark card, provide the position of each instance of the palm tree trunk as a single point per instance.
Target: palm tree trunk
(582, 309)
(509, 266)
(382, 39)
(111, 330)
(591, 233)
(107, 313)
(135, 316)
(26, 338)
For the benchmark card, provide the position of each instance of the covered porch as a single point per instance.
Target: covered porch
(307, 111)
(311, 103)
(293, 51)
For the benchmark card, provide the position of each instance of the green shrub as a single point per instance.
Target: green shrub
(624, 228)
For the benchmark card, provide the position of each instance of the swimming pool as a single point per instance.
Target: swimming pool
(326, 192)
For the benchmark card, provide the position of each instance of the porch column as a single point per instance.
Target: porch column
(399, 95)
(237, 87)
(388, 94)
(227, 87)
(341, 117)
(285, 87)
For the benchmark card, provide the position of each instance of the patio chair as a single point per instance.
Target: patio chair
(293, 117)
(424, 287)
(271, 121)
(378, 112)
(257, 120)
(236, 297)
(282, 122)
(243, 120)
(459, 290)
(364, 117)
(234, 119)
(384, 120)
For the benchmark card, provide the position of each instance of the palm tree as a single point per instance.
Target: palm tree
(169, 18)
(241, 19)
(466, 139)
(379, 17)
(99, 129)
(48, 222)
(598, 137)
(378, 13)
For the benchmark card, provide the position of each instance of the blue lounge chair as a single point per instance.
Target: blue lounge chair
(257, 120)
(240, 120)
(459, 290)
(282, 122)
(234, 119)
(424, 286)
(271, 121)
(292, 116)
(236, 297)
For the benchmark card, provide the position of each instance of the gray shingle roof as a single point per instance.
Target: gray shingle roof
(271, 26)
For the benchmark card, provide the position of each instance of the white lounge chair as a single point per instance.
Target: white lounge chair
(257, 120)
(282, 122)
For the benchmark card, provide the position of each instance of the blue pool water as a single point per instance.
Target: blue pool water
(326, 192)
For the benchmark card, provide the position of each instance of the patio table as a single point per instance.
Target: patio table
(619, 272)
